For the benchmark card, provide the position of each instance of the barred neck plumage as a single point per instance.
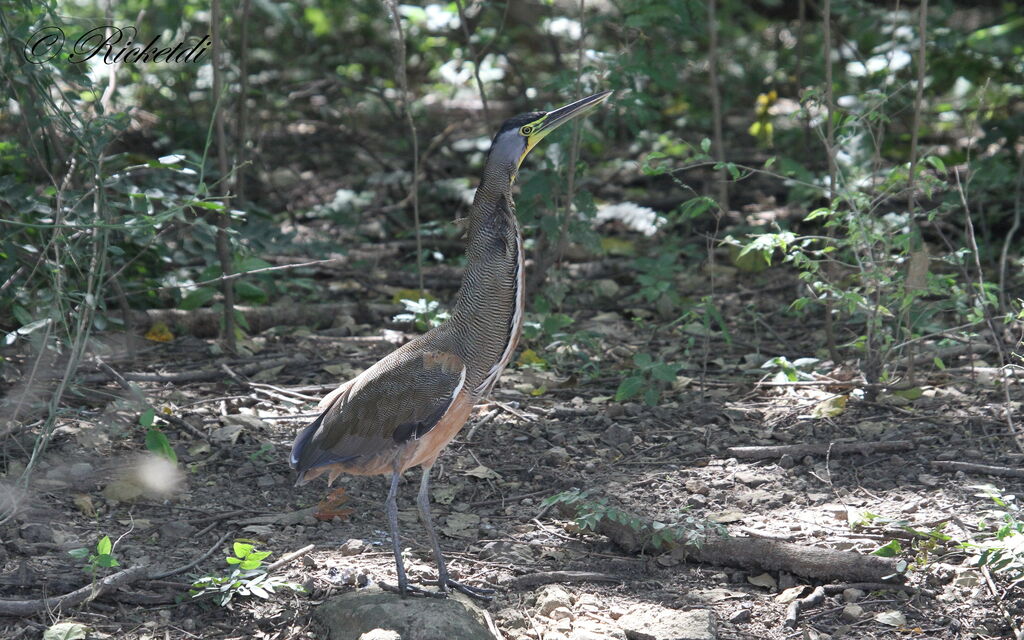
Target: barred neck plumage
(487, 318)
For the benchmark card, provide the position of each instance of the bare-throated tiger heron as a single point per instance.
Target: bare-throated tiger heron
(402, 411)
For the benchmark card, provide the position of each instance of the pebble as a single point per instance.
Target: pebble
(562, 613)
(852, 595)
(696, 501)
(852, 612)
(787, 461)
(556, 456)
(553, 597)
(740, 616)
(352, 547)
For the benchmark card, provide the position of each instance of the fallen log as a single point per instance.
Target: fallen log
(635, 535)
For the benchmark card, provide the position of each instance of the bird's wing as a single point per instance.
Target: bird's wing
(400, 398)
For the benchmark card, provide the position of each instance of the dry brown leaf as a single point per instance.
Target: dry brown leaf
(330, 507)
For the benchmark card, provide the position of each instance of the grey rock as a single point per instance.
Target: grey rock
(616, 435)
(381, 634)
(740, 616)
(352, 547)
(852, 595)
(556, 456)
(80, 470)
(176, 530)
(852, 612)
(553, 597)
(651, 622)
(750, 479)
(36, 532)
(353, 614)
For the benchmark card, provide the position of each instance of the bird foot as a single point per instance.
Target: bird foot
(477, 593)
(409, 590)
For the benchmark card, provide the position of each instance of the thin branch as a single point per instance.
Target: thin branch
(477, 58)
(403, 86)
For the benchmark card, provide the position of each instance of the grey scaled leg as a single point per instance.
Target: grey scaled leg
(444, 582)
(391, 509)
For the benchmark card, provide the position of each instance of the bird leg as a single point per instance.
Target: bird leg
(444, 582)
(391, 509)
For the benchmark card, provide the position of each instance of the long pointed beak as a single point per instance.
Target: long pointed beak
(560, 116)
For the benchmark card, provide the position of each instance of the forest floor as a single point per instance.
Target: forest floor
(670, 463)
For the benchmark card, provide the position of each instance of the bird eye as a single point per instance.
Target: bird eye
(527, 130)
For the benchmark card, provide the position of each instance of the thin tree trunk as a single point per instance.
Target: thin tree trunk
(716, 102)
(223, 217)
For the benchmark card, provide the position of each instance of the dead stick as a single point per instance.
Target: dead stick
(88, 592)
(832, 448)
(291, 556)
(548, 577)
(971, 467)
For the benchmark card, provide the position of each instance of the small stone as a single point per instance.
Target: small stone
(176, 530)
(852, 612)
(740, 616)
(697, 486)
(352, 547)
(36, 532)
(617, 435)
(553, 597)
(381, 634)
(265, 481)
(652, 622)
(80, 470)
(787, 461)
(750, 479)
(696, 501)
(562, 613)
(852, 595)
(556, 456)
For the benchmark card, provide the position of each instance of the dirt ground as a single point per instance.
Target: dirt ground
(668, 463)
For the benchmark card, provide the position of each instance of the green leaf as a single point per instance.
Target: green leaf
(104, 546)
(197, 298)
(232, 560)
(249, 291)
(642, 360)
(936, 163)
(79, 554)
(147, 417)
(629, 388)
(889, 550)
(251, 263)
(664, 372)
(705, 145)
(156, 442)
(242, 549)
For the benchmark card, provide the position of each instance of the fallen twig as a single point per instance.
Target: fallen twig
(548, 577)
(831, 448)
(88, 592)
(285, 559)
(971, 467)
